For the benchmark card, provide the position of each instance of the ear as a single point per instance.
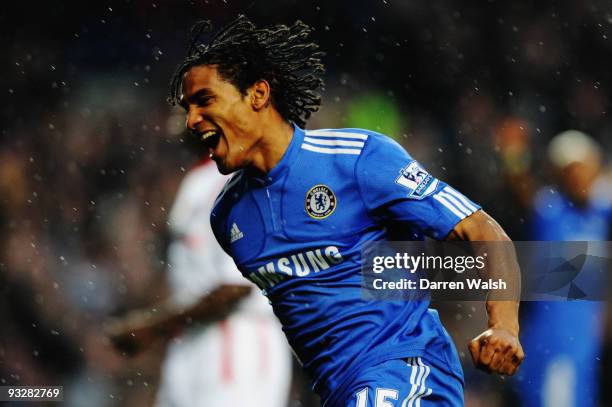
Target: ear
(260, 94)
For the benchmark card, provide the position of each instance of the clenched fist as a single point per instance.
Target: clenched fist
(497, 350)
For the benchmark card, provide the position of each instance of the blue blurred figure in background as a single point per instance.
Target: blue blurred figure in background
(566, 336)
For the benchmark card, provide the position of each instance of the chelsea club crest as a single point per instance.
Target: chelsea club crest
(320, 202)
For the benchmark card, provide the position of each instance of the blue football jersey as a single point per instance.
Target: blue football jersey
(298, 232)
(571, 360)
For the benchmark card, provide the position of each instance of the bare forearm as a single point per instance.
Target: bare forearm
(497, 349)
(503, 314)
(503, 306)
(216, 305)
(166, 320)
(491, 240)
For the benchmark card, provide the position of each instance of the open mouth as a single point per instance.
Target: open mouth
(210, 138)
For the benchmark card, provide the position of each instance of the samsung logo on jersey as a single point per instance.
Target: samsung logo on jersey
(297, 265)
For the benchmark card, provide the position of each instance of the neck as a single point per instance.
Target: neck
(274, 141)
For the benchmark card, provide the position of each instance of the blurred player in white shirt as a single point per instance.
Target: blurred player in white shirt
(233, 351)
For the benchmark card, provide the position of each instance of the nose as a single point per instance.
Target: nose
(194, 118)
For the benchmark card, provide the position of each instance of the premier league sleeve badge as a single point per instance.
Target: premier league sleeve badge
(417, 180)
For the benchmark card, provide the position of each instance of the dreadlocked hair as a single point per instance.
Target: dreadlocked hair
(244, 54)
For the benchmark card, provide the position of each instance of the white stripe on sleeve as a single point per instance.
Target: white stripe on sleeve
(337, 134)
(455, 202)
(324, 150)
(461, 197)
(332, 142)
(448, 206)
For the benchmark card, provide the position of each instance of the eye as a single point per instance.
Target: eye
(204, 101)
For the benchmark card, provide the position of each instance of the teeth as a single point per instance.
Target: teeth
(207, 135)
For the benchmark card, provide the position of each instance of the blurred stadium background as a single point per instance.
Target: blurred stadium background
(91, 156)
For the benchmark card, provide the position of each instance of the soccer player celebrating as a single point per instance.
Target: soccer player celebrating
(301, 204)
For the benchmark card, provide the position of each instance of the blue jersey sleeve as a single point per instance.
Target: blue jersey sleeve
(396, 188)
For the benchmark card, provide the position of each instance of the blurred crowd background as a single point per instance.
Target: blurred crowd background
(91, 155)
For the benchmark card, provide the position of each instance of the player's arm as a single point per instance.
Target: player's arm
(140, 328)
(498, 349)
(399, 191)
